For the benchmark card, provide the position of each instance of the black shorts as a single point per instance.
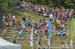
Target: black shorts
(45, 30)
(28, 24)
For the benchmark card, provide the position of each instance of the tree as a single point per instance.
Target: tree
(3, 6)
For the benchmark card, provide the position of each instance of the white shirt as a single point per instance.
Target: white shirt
(14, 17)
(23, 26)
(3, 18)
(51, 16)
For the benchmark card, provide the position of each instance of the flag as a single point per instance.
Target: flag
(31, 39)
(31, 36)
(49, 26)
(49, 31)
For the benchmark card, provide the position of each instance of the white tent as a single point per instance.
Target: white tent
(7, 45)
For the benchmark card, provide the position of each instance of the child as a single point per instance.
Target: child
(14, 40)
(28, 21)
(22, 30)
(61, 34)
(64, 46)
(44, 25)
(57, 24)
(17, 26)
(5, 33)
(5, 24)
(5, 29)
(38, 45)
(62, 25)
(38, 35)
(10, 20)
(45, 43)
(19, 18)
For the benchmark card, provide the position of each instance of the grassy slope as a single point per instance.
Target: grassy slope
(54, 41)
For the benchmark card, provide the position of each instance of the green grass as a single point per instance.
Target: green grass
(55, 40)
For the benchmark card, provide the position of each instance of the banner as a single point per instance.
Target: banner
(31, 36)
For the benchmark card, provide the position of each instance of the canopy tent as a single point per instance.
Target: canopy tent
(7, 45)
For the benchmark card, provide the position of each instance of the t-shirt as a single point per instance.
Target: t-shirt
(51, 16)
(19, 18)
(28, 21)
(23, 26)
(4, 18)
(55, 18)
(58, 21)
(14, 17)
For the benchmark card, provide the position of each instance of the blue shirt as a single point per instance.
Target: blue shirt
(28, 21)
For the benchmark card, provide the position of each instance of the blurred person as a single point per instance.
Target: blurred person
(14, 40)
(14, 18)
(51, 16)
(22, 4)
(10, 20)
(3, 18)
(28, 21)
(46, 43)
(57, 24)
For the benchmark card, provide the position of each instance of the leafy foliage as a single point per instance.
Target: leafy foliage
(3, 6)
(65, 3)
